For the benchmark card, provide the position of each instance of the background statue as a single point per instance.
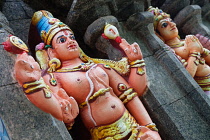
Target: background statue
(190, 51)
(65, 82)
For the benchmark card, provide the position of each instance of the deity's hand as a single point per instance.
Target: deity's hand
(26, 69)
(204, 41)
(149, 134)
(193, 44)
(69, 107)
(132, 51)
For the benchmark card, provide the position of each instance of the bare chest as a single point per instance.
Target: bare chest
(183, 52)
(79, 84)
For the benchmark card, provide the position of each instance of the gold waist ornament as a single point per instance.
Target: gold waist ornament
(203, 82)
(118, 130)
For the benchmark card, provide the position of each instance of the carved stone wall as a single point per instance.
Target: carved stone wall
(174, 100)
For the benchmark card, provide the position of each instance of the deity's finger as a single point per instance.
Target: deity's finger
(124, 44)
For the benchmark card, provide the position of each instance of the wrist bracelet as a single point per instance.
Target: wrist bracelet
(199, 59)
(152, 126)
(197, 55)
(205, 52)
(38, 85)
(139, 64)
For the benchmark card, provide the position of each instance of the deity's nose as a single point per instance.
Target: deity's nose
(70, 41)
(172, 24)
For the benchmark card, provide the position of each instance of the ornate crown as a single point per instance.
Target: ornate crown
(158, 15)
(47, 25)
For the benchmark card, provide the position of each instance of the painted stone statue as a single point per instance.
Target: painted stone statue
(65, 82)
(190, 51)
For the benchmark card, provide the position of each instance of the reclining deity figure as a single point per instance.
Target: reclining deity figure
(190, 51)
(65, 82)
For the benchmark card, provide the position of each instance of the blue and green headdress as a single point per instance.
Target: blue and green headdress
(47, 26)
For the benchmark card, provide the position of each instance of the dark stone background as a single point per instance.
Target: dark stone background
(175, 102)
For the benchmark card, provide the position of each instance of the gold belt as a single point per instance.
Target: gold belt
(203, 82)
(95, 95)
(118, 130)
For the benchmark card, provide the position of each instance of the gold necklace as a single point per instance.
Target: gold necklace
(180, 44)
(81, 67)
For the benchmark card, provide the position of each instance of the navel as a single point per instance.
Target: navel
(113, 106)
(79, 80)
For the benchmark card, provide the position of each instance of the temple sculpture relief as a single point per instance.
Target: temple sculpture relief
(190, 51)
(65, 82)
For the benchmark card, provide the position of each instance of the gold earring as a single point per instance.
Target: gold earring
(54, 64)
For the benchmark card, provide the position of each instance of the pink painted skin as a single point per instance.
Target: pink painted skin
(106, 108)
(28, 70)
(168, 31)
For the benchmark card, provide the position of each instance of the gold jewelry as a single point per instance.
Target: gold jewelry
(54, 64)
(69, 126)
(198, 59)
(36, 86)
(194, 40)
(53, 81)
(127, 95)
(180, 44)
(121, 66)
(139, 64)
(152, 126)
(203, 82)
(81, 67)
(94, 96)
(118, 130)
(158, 15)
(205, 52)
(122, 87)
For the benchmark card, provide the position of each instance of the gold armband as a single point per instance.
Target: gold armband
(198, 60)
(139, 64)
(205, 52)
(127, 95)
(38, 85)
(152, 126)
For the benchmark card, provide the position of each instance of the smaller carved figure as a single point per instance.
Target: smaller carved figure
(190, 51)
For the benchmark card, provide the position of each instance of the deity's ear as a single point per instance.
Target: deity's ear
(160, 36)
(51, 53)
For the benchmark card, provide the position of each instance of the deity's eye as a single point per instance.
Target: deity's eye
(72, 37)
(171, 20)
(164, 25)
(62, 40)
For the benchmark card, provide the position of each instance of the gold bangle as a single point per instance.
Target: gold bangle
(152, 126)
(127, 95)
(38, 85)
(139, 64)
(197, 55)
(205, 52)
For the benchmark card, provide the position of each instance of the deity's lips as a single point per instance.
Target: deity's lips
(72, 46)
(173, 29)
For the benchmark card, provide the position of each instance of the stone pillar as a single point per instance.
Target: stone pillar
(189, 21)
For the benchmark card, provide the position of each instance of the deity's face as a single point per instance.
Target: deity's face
(64, 45)
(167, 29)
